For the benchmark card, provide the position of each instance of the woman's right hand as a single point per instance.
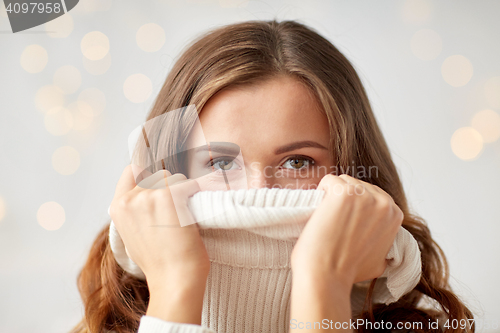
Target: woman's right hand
(161, 237)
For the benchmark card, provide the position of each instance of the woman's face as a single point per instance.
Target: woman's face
(275, 128)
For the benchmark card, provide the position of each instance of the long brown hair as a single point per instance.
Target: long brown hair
(247, 53)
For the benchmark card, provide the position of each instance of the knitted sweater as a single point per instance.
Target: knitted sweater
(249, 236)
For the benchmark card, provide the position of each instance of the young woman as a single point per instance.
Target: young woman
(291, 101)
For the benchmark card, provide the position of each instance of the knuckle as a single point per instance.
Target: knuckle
(162, 196)
(175, 178)
(129, 168)
(119, 206)
(372, 197)
(369, 199)
(124, 202)
(361, 190)
(399, 219)
(327, 179)
(180, 175)
(399, 213)
(144, 200)
(344, 176)
(384, 204)
(112, 210)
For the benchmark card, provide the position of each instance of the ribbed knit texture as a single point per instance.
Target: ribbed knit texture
(154, 325)
(249, 236)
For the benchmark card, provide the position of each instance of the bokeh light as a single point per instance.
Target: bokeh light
(51, 215)
(466, 143)
(137, 88)
(416, 11)
(492, 91)
(2, 209)
(49, 97)
(95, 98)
(34, 58)
(457, 70)
(82, 114)
(150, 37)
(66, 160)
(95, 45)
(487, 123)
(97, 67)
(68, 78)
(60, 27)
(426, 44)
(58, 121)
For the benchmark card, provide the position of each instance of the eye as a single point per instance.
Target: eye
(223, 163)
(298, 162)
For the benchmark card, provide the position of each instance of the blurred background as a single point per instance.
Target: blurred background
(74, 88)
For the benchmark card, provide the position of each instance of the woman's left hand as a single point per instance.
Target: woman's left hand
(345, 241)
(350, 233)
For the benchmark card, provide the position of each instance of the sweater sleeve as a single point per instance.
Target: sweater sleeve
(151, 324)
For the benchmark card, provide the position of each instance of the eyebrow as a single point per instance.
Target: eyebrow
(234, 149)
(298, 145)
(217, 147)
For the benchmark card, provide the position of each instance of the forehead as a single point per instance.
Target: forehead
(278, 110)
